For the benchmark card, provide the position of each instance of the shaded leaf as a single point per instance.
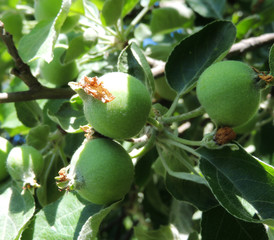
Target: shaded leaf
(271, 60)
(208, 8)
(217, 223)
(198, 195)
(245, 25)
(143, 169)
(9, 120)
(16, 210)
(38, 136)
(39, 43)
(29, 113)
(80, 45)
(165, 20)
(48, 192)
(69, 118)
(242, 184)
(63, 219)
(133, 62)
(91, 227)
(181, 215)
(197, 52)
(163, 233)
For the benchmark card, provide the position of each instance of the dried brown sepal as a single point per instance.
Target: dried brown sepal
(265, 77)
(224, 135)
(95, 88)
(62, 175)
(88, 131)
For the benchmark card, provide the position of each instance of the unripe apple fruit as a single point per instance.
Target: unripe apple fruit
(123, 116)
(57, 73)
(101, 171)
(5, 147)
(228, 92)
(24, 164)
(13, 22)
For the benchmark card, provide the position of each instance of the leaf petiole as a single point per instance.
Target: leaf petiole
(185, 116)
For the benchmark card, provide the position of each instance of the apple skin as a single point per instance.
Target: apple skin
(13, 22)
(24, 164)
(101, 171)
(228, 92)
(126, 115)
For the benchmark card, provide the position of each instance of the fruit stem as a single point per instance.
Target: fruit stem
(197, 176)
(155, 123)
(182, 140)
(94, 19)
(63, 156)
(180, 145)
(136, 20)
(185, 116)
(173, 106)
(149, 144)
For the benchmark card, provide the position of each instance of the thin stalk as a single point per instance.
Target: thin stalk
(170, 171)
(94, 19)
(155, 123)
(185, 116)
(185, 162)
(172, 107)
(180, 145)
(52, 159)
(63, 156)
(149, 144)
(136, 20)
(182, 140)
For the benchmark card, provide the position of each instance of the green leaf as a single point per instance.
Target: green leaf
(39, 43)
(198, 195)
(77, 6)
(208, 8)
(63, 219)
(263, 140)
(9, 120)
(91, 227)
(80, 45)
(133, 62)
(69, 117)
(143, 170)
(16, 209)
(271, 60)
(111, 12)
(270, 233)
(166, 20)
(29, 113)
(38, 136)
(245, 25)
(242, 184)
(197, 52)
(217, 223)
(48, 191)
(181, 215)
(163, 233)
(128, 6)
